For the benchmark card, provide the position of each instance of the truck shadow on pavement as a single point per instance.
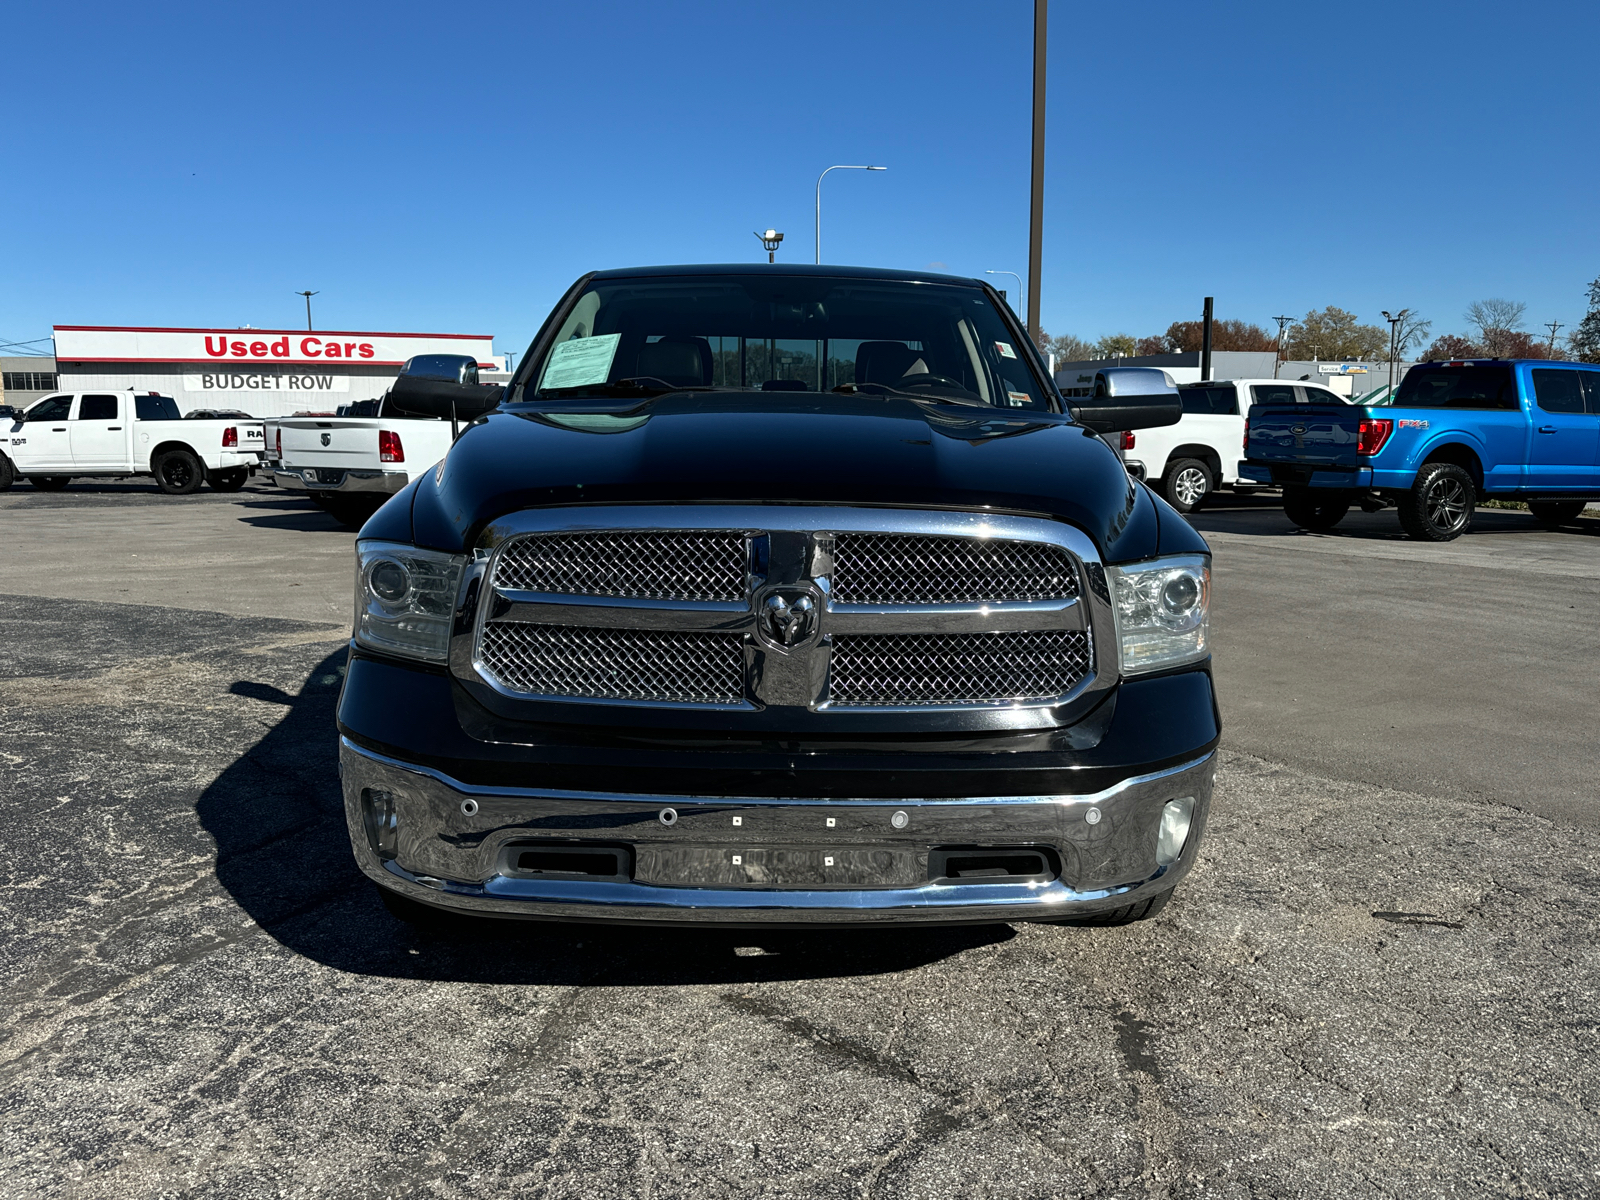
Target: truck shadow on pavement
(283, 854)
(291, 514)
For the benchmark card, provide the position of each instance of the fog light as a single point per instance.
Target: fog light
(1174, 829)
(382, 822)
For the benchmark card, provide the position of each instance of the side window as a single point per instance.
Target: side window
(52, 408)
(1557, 391)
(1273, 393)
(1591, 389)
(97, 408)
(1322, 396)
(1219, 401)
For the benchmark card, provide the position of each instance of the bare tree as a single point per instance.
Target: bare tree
(1495, 321)
(1410, 333)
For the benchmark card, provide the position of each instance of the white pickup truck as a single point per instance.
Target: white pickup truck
(1201, 452)
(112, 435)
(351, 465)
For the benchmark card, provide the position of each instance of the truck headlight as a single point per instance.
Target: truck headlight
(406, 599)
(1163, 612)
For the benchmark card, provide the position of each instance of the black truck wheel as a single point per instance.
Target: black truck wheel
(49, 483)
(1555, 513)
(8, 473)
(1309, 510)
(1186, 483)
(1439, 506)
(228, 481)
(178, 472)
(1141, 910)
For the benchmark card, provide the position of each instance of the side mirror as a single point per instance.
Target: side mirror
(1128, 398)
(442, 385)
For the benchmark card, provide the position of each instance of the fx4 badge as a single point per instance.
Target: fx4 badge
(788, 618)
(1408, 424)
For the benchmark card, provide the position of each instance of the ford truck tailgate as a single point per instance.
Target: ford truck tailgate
(1305, 435)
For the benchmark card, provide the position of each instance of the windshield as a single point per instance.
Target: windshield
(785, 333)
(1464, 386)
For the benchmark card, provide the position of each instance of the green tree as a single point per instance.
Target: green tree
(1066, 348)
(1334, 333)
(1585, 339)
(1116, 345)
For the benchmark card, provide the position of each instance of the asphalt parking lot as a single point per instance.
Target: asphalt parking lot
(1381, 980)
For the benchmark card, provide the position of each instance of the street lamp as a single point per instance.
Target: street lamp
(1394, 333)
(770, 241)
(1020, 307)
(308, 296)
(841, 167)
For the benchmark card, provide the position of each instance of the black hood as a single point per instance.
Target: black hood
(750, 448)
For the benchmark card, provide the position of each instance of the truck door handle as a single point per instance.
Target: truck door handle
(113, 428)
(58, 429)
(1547, 429)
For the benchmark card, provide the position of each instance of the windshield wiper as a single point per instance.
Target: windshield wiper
(927, 397)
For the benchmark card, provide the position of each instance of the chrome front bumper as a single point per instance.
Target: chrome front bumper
(337, 479)
(751, 860)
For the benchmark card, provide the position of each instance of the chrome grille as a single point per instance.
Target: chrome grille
(665, 666)
(893, 568)
(630, 564)
(898, 670)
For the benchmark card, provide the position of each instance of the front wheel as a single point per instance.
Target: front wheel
(1186, 484)
(8, 473)
(1555, 513)
(1439, 506)
(178, 473)
(1311, 511)
(230, 480)
(49, 483)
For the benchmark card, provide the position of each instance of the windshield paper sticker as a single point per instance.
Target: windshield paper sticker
(580, 361)
(1005, 349)
(1019, 399)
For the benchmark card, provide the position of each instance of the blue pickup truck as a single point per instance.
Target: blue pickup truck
(1454, 432)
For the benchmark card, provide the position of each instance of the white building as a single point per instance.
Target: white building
(264, 372)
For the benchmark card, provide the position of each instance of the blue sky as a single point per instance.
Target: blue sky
(454, 168)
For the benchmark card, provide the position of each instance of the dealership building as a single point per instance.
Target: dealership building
(264, 372)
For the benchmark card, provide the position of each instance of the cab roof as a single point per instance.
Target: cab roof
(802, 269)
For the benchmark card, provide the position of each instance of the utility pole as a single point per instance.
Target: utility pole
(1552, 326)
(308, 296)
(1394, 333)
(1041, 10)
(1283, 323)
(1205, 342)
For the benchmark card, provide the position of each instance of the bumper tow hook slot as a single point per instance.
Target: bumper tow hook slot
(669, 816)
(469, 808)
(900, 820)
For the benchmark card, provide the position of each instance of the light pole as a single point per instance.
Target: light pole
(1019, 307)
(840, 167)
(770, 241)
(1283, 323)
(308, 296)
(1394, 332)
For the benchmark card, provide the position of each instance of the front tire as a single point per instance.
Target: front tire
(8, 473)
(228, 481)
(178, 473)
(1311, 511)
(1553, 514)
(1186, 484)
(1439, 506)
(49, 483)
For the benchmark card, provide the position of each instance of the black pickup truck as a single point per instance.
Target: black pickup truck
(780, 595)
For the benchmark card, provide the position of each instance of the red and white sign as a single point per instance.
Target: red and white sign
(102, 343)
